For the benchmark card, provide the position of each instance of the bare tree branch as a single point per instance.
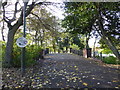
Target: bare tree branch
(4, 17)
(95, 26)
(2, 31)
(14, 16)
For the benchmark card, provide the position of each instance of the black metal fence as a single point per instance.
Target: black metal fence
(78, 52)
(98, 55)
(85, 52)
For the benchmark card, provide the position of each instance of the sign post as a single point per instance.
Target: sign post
(22, 41)
(23, 49)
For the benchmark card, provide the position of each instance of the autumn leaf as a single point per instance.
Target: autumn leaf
(85, 84)
(114, 81)
(75, 66)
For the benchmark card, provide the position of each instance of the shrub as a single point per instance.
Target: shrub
(74, 46)
(111, 60)
(106, 51)
(31, 53)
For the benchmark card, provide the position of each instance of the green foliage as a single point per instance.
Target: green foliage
(80, 18)
(66, 42)
(3, 49)
(50, 48)
(31, 54)
(111, 60)
(113, 39)
(74, 46)
(16, 56)
(106, 51)
(76, 40)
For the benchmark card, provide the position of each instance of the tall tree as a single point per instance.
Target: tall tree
(108, 23)
(106, 20)
(14, 22)
(79, 18)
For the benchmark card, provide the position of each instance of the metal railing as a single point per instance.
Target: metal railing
(78, 52)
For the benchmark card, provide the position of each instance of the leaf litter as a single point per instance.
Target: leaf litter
(52, 74)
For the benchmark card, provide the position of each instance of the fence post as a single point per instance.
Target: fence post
(101, 55)
(88, 52)
(94, 54)
(70, 50)
(78, 52)
(84, 53)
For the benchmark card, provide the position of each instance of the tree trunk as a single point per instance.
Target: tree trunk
(66, 49)
(111, 46)
(87, 45)
(94, 48)
(107, 39)
(41, 42)
(87, 35)
(9, 48)
(10, 39)
(12, 31)
(54, 47)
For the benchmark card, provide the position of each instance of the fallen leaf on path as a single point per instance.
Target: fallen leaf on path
(114, 81)
(85, 84)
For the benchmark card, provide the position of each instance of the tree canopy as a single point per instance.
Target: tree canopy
(84, 17)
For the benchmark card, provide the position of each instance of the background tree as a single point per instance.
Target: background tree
(76, 40)
(45, 25)
(38, 23)
(66, 43)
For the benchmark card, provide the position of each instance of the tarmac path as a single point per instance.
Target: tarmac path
(63, 71)
(68, 70)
